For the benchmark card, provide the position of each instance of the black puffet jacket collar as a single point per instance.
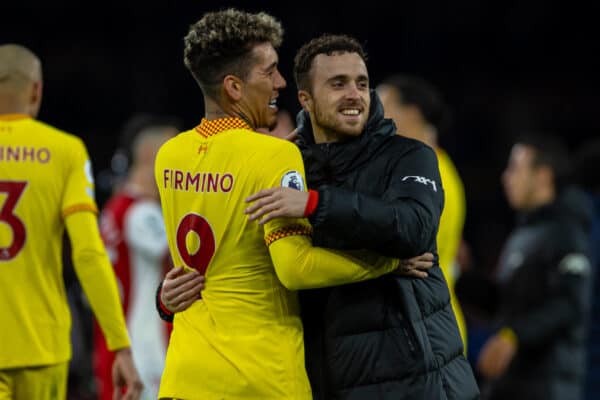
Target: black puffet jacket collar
(331, 162)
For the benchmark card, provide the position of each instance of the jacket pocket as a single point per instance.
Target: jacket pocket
(396, 357)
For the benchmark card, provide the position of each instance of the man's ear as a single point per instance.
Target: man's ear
(233, 87)
(305, 100)
(35, 98)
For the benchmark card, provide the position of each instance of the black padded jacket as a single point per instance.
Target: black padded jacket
(545, 281)
(392, 337)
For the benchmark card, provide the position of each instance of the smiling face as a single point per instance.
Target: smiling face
(261, 88)
(339, 100)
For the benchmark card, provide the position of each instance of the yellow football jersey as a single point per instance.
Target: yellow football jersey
(450, 230)
(45, 175)
(244, 339)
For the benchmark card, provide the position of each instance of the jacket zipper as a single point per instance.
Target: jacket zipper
(407, 334)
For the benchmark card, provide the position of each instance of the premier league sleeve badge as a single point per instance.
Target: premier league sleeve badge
(293, 179)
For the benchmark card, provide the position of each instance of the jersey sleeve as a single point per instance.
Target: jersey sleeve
(79, 186)
(297, 263)
(145, 229)
(286, 169)
(301, 266)
(97, 277)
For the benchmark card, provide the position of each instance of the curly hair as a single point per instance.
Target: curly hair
(326, 44)
(221, 43)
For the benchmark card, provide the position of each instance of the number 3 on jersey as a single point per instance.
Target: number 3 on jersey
(13, 190)
(202, 253)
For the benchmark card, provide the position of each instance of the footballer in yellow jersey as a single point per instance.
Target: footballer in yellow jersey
(244, 340)
(449, 234)
(46, 186)
(45, 178)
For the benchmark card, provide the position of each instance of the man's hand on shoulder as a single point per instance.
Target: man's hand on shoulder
(276, 202)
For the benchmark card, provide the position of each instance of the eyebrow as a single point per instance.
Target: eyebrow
(271, 66)
(346, 78)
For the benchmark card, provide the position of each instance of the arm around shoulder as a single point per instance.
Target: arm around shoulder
(299, 265)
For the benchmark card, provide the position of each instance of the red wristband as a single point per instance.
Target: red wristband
(311, 204)
(162, 306)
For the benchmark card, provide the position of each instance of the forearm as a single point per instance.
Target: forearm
(301, 266)
(97, 278)
(400, 228)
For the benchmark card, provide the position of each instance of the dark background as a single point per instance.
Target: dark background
(502, 67)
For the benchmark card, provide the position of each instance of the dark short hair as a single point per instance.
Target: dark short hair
(549, 151)
(326, 44)
(418, 92)
(221, 43)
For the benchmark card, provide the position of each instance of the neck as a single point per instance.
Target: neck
(10, 106)
(425, 134)
(545, 196)
(324, 136)
(431, 136)
(214, 111)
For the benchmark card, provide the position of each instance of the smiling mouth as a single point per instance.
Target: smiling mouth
(351, 112)
(273, 104)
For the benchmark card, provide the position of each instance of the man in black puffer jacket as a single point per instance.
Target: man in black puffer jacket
(392, 337)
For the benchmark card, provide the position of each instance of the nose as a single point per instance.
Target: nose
(279, 81)
(353, 91)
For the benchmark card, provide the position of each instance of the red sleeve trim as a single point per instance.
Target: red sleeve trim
(311, 204)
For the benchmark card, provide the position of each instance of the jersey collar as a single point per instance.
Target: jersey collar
(211, 127)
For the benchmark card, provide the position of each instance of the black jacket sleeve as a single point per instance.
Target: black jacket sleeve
(569, 282)
(400, 222)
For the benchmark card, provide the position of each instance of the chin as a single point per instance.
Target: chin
(352, 130)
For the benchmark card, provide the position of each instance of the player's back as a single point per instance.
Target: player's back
(244, 339)
(42, 179)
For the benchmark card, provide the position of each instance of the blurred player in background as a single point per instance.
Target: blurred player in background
(46, 184)
(133, 232)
